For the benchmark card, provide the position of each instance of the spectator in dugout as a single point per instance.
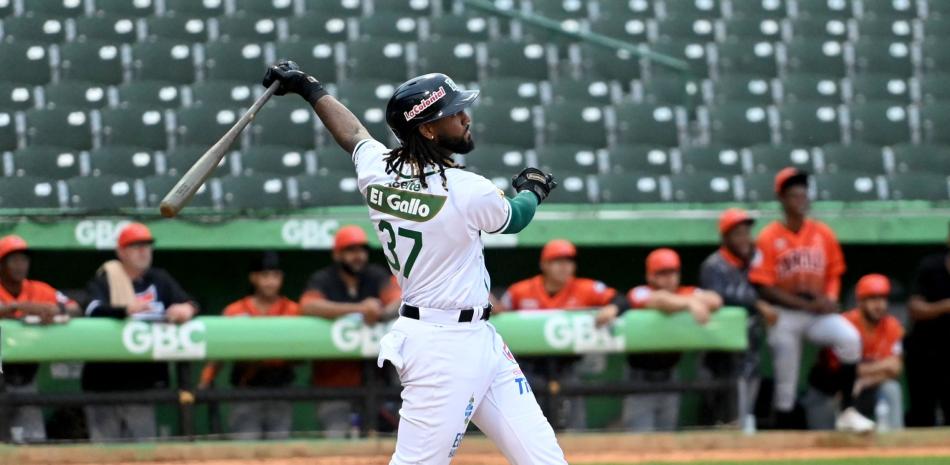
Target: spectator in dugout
(558, 288)
(30, 301)
(659, 411)
(130, 288)
(878, 389)
(726, 272)
(929, 342)
(351, 286)
(271, 419)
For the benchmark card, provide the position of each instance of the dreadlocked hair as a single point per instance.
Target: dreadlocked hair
(418, 152)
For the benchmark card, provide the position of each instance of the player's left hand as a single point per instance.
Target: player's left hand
(535, 181)
(293, 80)
(179, 313)
(606, 316)
(823, 306)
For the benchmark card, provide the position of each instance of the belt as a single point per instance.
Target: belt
(443, 316)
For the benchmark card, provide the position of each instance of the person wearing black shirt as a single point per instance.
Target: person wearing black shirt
(129, 288)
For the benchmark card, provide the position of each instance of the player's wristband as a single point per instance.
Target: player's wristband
(313, 92)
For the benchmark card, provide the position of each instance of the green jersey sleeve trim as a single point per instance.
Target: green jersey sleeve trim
(521, 208)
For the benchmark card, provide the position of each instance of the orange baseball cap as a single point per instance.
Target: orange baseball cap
(135, 233)
(873, 285)
(733, 217)
(662, 260)
(558, 248)
(10, 244)
(785, 175)
(348, 236)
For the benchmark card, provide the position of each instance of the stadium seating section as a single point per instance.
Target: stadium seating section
(104, 102)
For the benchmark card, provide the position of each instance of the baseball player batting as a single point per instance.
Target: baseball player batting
(429, 215)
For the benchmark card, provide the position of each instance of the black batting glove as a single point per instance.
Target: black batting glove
(294, 81)
(534, 181)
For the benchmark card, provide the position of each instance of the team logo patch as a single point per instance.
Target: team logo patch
(425, 103)
(505, 350)
(413, 206)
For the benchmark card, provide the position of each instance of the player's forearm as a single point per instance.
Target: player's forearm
(667, 302)
(328, 309)
(890, 367)
(711, 299)
(833, 287)
(343, 125)
(522, 207)
(921, 310)
(781, 297)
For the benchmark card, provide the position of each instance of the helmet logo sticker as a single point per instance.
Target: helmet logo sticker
(425, 103)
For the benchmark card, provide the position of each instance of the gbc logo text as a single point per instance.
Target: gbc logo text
(166, 341)
(579, 333)
(309, 234)
(100, 234)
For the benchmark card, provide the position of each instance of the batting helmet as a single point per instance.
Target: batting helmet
(348, 236)
(12, 244)
(873, 285)
(424, 99)
(662, 260)
(558, 248)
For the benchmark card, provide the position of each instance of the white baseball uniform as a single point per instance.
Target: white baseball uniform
(451, 372)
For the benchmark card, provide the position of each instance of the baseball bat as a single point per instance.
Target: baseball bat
(185, 189)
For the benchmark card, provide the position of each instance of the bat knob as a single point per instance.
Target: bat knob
(168, 210)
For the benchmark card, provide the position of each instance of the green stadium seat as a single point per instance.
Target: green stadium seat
(510, 58)
(574, 122)
(110, 29)
(768, 159)
(629, 188)
(559, 42)
(695, 8)
(336, 8)
(26, 192)
(742, 56)
(122, 161)
(753, 28)
(936, 28)
(919, 186)
(687, 28)
(63, 127)
(177, 28)
(179, 159)
(15, 96)
(639, 160)
(471, 27)
(821, 8)
(227, 93)
(649, 124)
(194, 9)
(846, 187)
(317, 26)
(628, 9)
(370, 59)
(126, 8)
(601, 63)
(567, 158)
(165, 60)
(934, 121)
(571, 189)
(624, 28)
(772, 9)
(894, 29)
(703, 187)
(354, 89)
(204, 125)
(805, 55)
(155, 94)
(815, 88)
(332, 159)
(669, 90)
(76, 94)
(157, 187)
(938, 9)
(879, 87)
(889, 8)
(692, 52)
(396, 28)
(736, 124)
(880, 123)
(254, 192)
(561, 10)
(403, 7)
(504, 124)
(852, 158)
(139, 126)
(317, 59)
(328, 190)
(241, 61)
(711, 160)
(835, 29)
(757, 188)
(30, 60)
(8, 133)
(740, 88)
(882, 56)
(933, 88)
(269, 8)
(502, 160)
(247, 28)
(99, 62)
(372, 113)
(102, 193)
(274, 160)
(459, 57)
(514, 91)
(38, 29)
(912, 158)
(935, 56)
(810, 124)
(584, 90)
(6, 8)
(58, 8)
(290, 123)
(46, 163)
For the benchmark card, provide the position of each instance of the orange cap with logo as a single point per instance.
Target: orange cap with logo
(558, 248)
(787, 174)
(134, 233)
(733, 217)
(348, 236)
(873, 285)
(662, 260)
(10, 244)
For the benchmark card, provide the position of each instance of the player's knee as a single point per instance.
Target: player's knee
(848, 344)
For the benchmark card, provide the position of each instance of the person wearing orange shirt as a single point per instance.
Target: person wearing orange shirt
(558, 288)
(33, 302)
(877, 387)
(659, 411)
(798, 270)
(270, 419)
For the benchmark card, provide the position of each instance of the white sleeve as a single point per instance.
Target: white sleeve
(366, 153)
(488, 209)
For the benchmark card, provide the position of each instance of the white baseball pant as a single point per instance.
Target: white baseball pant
(459, 372)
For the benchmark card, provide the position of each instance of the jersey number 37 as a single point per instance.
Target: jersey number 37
(391, 257)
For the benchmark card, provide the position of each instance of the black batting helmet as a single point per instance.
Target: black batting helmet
(423, 99)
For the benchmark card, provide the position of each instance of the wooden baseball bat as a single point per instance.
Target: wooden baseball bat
(185, 189)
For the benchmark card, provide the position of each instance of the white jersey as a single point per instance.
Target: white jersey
(432, 236)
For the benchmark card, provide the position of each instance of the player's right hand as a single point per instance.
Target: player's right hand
(372, 310)
(823, 305)
(535, 181)
(293, 80)
(137, 306)
(700, 311)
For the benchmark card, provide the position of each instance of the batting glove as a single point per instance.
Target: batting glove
(534, 181)
(294, 81)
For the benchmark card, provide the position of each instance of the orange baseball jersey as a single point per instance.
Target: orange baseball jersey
(245, 307)
(810, 262)
(36, 292)
(640, 295)
(881, 341)
(529, 294)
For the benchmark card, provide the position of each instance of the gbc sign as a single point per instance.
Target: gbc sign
(101, 234)
(166, 341)
(578, 333)
(349, 334)
(309, 234)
